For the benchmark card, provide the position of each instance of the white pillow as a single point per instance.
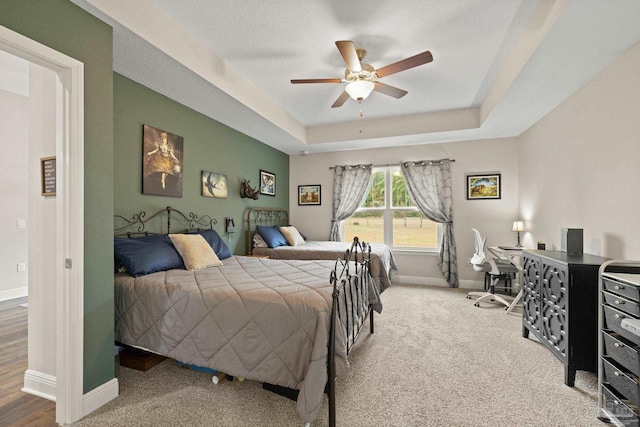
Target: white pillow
(258, 241)
(292, 235)
(195, 251)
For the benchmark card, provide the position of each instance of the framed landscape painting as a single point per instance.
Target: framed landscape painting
(481, 187)
(309, 195)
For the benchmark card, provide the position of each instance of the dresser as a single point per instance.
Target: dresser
(560, 307)
(619, 385)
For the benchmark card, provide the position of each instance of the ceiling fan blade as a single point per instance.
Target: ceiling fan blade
(349, 54)
(389, 90)
(298, 81)
(405, 64)
(341, 100)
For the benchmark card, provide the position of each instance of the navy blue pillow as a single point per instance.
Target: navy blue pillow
(216, 243)
(272, 236)
(146, 255)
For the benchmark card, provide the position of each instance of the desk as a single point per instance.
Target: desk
(511, 253)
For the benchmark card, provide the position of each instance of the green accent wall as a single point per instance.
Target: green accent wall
(208, 146)
(62, 26)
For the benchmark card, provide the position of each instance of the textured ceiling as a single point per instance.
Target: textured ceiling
(499, 65)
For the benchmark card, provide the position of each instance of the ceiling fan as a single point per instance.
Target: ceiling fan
(363, 78)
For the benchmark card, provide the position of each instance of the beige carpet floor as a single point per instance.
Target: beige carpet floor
(434, 360)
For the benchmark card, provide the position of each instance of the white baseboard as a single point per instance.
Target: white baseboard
(40, 384)
(14, 293)
(44, 385)
(435, 281)
(99, 396)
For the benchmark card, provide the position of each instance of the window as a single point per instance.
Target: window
(388, 215)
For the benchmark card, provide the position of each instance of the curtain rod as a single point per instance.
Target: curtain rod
(396, 164)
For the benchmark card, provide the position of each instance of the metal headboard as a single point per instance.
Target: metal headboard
(264, 216)
(140, 224)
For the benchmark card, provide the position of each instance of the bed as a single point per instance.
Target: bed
(287, 323)
(382, 261)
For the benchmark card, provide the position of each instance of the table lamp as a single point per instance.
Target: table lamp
(518, 226)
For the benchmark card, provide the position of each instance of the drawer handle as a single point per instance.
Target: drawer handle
(617, 288)
(618, 316)
(616, 373)
(619, 302)
(617, 345)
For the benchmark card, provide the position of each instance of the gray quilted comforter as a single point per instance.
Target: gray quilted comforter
(261, 319)
(382, 261)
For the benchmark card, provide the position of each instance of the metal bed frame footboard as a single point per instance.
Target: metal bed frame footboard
(351, 280)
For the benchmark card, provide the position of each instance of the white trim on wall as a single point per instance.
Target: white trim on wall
(40, 384)
(10, 294)
(99, 396)
(434, 281)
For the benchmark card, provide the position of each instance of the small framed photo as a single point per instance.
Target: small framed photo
(48, 176)
(481, 187)
(214, 185)
(267, 183)
(309, 195)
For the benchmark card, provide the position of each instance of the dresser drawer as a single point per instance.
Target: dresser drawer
(619, 407)
(622, 380)
(622, 351)
(613, 319)
(622, 303)
(626, 290)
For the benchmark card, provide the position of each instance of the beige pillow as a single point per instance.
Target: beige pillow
(292, 235)
(195, 251)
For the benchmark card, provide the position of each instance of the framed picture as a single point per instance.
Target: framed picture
(267, 183)
(161, 163)
(483, 186)
(48, 176)
(214, 185)
(309, 195)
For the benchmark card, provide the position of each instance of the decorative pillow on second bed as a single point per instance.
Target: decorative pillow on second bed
(195, 251)
(272, 236)
(291, 234)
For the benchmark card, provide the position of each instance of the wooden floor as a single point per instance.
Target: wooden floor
(16, 407)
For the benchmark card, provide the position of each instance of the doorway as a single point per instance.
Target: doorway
(67, 272)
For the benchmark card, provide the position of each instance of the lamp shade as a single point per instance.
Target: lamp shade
(359, 89)
(518, 226)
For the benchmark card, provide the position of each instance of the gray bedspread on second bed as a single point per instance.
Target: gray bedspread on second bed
(382, 262)
(261, 319)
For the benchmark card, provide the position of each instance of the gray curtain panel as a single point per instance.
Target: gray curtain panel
(349, 188)
(429, 184)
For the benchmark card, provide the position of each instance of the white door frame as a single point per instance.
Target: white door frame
(69, 254)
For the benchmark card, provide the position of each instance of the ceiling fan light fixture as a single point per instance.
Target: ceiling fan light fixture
(359, 89)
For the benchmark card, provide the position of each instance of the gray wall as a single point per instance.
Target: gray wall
(493, 218)
(579, 165)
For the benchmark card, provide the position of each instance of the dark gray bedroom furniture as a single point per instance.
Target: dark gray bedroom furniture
(619, 346)
(560, 307)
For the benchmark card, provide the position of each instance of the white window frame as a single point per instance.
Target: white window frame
(388, 211)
